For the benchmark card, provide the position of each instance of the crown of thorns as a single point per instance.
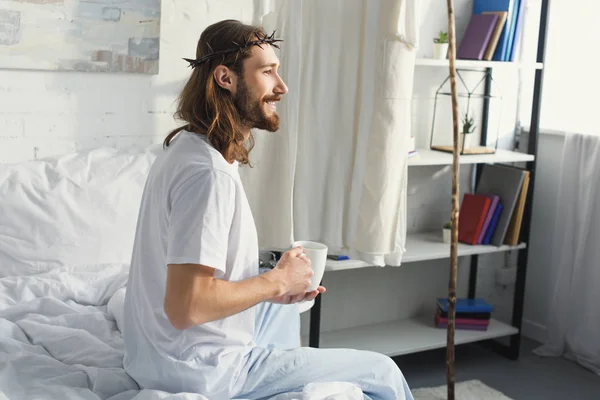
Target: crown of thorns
(266, 39)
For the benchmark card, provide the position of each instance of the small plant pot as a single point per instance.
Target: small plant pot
(446, 235)
(440, 51)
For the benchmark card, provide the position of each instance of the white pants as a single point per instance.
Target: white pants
(279, 365)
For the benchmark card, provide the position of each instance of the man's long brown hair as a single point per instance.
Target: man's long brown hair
(204, 105)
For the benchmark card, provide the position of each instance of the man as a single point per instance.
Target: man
(199, 317)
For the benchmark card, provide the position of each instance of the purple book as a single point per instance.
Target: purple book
(495, 199)
(477, 36)
(464, 327)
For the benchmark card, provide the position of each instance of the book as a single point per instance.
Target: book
(505, 182)
(518, 31)
(502, 15)
(495, 199)
(477, 37)
(473, 211)
(464, 327)
(465, 305)
(493, 224)
(462, 321)
(466, 315)
(514, 226)
(481, 6)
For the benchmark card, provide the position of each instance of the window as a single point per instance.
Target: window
(571, 86)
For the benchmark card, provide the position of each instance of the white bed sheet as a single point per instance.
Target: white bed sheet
(59, 316)
(60, 339)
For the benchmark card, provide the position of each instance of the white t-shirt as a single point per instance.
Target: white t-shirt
(193, 210)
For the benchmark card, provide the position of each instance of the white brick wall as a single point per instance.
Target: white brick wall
(45, 113)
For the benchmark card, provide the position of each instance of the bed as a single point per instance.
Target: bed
(66, 232)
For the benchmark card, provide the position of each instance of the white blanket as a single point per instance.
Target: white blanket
(60, 339)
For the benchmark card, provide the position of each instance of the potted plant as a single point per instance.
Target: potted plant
(440, 46)
(446, 232)
(468, 127)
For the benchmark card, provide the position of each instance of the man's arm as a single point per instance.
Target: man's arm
(194, 296)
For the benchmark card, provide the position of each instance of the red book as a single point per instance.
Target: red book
(471, 217)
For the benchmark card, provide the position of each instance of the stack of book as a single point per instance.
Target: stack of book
(494, 213)
(471, 314)
(494, 31)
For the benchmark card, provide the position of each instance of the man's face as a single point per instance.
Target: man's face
(260, 89)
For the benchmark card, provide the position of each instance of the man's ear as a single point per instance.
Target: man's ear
(225, 78)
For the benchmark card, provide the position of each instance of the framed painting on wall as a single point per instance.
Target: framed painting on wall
(80, 35)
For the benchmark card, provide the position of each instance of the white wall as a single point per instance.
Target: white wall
(44, 113)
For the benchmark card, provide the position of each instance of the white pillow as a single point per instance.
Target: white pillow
(76, 209)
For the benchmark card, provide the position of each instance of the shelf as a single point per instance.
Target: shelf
(407, 336)
(431, 62)
(429, 246)
(433, 157)
(333, 265)
(423, 247)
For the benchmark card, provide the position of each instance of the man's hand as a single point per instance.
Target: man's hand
(194, 296)
(293, 272)
(308, 296)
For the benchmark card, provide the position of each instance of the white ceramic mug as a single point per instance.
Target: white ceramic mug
(317, 253)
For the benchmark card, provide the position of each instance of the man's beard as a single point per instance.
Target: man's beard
(252, 112)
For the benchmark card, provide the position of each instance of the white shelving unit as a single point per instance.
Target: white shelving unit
(428, 245)
(432, 157)
(406, 336)
(475, 64)
(423, 247)
(418, 334)
(395, 338)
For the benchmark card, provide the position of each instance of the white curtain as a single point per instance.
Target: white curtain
(336, 171)
(574, 318)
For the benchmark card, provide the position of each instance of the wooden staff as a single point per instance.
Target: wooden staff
(455, 207)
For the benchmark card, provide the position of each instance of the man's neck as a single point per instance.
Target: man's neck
(246, 133)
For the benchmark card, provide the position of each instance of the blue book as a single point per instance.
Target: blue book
(493, 223)
(518, 32)
(513, 28)
(466, 305)
(502, 52)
